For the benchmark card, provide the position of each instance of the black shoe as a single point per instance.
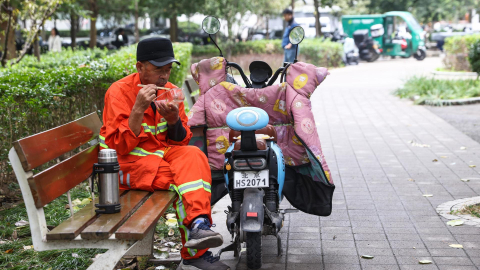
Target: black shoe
(205, 262)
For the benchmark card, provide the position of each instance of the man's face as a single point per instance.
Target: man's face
(287, 17)
(150, 74)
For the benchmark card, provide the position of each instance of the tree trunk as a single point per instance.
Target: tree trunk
(293, 5)
(7, 36)
(173, 28)
(36, 48)
(267, 34)
(318, 25)
(137, 34)
(73, 29)
(93, 23)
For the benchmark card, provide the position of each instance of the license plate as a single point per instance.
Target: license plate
(250, 179)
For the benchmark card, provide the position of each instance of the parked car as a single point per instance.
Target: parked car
(196, 37)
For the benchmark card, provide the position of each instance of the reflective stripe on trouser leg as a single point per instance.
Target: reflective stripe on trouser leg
(128, 180)
(194, 185)
(181, 214)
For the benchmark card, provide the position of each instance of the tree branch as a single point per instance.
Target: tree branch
(48, 12)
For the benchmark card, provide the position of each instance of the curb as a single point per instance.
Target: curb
(445, 209)
(462, 101)
(454, 73)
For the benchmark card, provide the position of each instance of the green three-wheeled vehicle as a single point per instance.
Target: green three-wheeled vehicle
(395, 33)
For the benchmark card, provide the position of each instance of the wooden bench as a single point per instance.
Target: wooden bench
(129, 232)
(191, 86)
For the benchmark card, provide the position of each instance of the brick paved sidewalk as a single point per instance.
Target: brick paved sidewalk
(381, 177)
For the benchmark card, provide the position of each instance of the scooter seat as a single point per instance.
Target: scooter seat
(269, 130)
(261, 144)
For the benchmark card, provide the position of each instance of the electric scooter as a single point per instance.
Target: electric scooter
(254, 167)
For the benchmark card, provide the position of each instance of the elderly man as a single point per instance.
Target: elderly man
(151, 143)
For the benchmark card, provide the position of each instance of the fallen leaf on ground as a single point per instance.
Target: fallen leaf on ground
(85, 201)
(472, 166)
(465, 180)
(463, 148)
(456, 246)
(427, 195)
(443, 156)
(169, 216)
(411, 180)
(15, 235)
(367, 256)
(422, 145)
(455, 222)
(171, 232)
(76, 202)
(75, 255)
(8, 251)
(171, 222)
(21, 223)
(424, 262)
(435, 160)
(27, 247)
(2, 242)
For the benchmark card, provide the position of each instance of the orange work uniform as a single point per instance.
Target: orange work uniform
(152, 161)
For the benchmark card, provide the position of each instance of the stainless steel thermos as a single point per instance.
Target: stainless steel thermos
(107, 169)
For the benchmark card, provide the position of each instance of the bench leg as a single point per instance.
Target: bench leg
(143, 247)
(109, 259)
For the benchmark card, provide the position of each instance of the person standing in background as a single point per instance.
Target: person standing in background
(289, 48)
(54, 41)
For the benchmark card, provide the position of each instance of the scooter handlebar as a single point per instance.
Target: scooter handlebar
(244, 77)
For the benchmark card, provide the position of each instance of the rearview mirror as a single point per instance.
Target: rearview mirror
(296, 35)
(211, 25)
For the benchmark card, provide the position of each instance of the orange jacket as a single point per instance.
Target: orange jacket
(139, 156)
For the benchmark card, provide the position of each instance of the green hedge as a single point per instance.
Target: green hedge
(314, 51)
(38, 96)
(456, 49)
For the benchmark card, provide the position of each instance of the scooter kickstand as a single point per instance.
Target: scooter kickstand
(230, 247)
(279, 245)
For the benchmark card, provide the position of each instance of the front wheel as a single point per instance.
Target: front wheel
(254, 250)
(420, 55)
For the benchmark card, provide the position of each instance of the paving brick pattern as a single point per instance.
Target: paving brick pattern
(373, 144)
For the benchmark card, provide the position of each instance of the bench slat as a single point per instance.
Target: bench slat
(106, 224)
(40, 148)
(71, 228)
(57, 180)
(140, 223)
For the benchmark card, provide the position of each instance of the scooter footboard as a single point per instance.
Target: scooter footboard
(252, 211)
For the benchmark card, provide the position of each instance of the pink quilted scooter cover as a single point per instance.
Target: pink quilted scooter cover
(288, 105)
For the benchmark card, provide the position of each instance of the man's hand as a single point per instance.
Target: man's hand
(144, 97)
(169, 111)
(288, 46)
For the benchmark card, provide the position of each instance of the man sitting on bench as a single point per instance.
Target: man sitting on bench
(151, 143)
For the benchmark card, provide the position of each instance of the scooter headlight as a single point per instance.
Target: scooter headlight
(248, 164)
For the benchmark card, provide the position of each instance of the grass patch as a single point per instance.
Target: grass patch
(12, 252)
(473, 210)
(13, 239)
(423, 90)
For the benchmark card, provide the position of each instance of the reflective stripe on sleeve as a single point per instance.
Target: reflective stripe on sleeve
(162, 127)
(101, 140)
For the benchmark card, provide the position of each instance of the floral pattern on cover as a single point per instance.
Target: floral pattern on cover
(288, 106)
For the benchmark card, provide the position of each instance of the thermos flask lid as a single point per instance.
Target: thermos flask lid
(107, 156)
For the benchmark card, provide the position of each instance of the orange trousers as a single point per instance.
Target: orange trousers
(185, 169)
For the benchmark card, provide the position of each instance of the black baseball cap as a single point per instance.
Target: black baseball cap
(158, 51)
(287, 11)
